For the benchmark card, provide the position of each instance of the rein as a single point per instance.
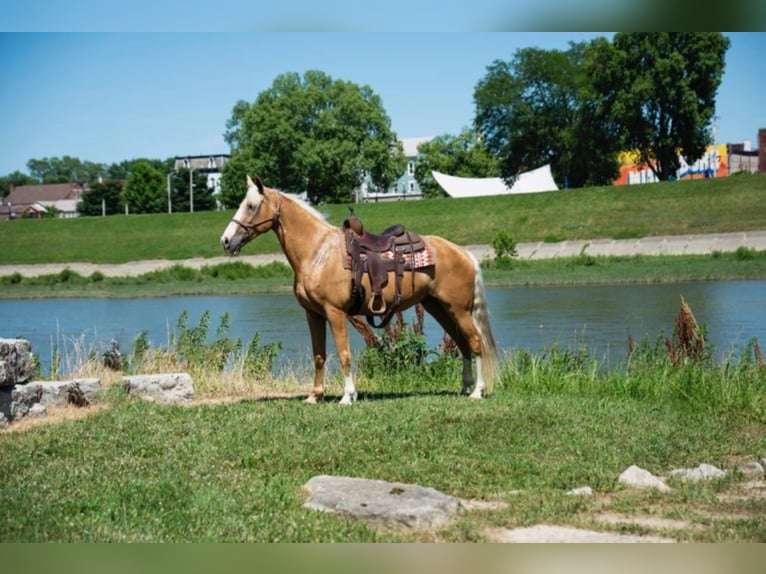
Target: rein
(250, 228)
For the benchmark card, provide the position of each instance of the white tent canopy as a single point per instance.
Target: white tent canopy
(534, 181)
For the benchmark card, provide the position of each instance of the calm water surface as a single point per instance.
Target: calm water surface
(530, 318)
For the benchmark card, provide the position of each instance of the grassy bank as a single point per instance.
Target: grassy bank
(238, 278)
(699, 206)
(233, 470)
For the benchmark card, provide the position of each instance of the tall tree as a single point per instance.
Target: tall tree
(101, 197)
(145, 190)
(180, 196)
(314, 134)
(662, 87)
(463, 155)
(123, 169)
(537, 109)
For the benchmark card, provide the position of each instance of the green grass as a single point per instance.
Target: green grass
(699, 206)
(149, 473)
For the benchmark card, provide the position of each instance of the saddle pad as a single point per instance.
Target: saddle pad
(412, 261)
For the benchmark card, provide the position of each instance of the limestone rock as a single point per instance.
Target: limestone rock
(24, 398)
(387, 503)
(162, 388)
(542, 533)
(702, 472)
(17, 363)
(751, 468)
(640, 478)
(582, 491)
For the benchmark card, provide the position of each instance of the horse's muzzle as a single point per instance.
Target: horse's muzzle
(232, 245)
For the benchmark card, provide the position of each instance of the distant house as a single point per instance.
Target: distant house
(210, 165)
(406, 187)
(33, 201)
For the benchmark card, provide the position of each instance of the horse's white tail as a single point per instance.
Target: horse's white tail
(480, 316)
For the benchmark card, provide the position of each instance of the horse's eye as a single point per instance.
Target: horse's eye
(250, 207)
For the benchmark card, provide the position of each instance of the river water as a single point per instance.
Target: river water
(532, 318)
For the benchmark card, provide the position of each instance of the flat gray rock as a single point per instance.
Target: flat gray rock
(386, 503)
(161, 388)
(702, 472)
(542, 533)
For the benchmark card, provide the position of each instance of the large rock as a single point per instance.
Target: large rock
(17, 364)
(162, 388)
(22, 399)
(387, 503)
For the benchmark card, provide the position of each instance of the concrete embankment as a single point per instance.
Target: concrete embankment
(666, 245)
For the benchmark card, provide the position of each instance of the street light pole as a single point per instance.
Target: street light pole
(170, 209)
(191, 189)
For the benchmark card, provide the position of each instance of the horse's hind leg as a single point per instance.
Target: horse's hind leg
(448, 323)
(318, 330)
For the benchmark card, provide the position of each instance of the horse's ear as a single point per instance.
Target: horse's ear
(259, 184)
(249, 181)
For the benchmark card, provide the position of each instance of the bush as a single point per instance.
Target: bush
(505, 250)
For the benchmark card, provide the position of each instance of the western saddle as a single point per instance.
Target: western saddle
(394, 250)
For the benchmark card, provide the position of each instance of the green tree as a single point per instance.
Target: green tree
(463, 155)
(145, 190)
(539, 109)
(179, 191)
(65, 169)
(662, 89)
(123, 169)
(234, 179)
(313, 134)
(102, 196)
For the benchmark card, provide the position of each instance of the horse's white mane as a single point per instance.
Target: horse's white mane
(303, 204)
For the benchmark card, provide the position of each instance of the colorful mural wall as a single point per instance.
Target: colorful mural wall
(713, 164)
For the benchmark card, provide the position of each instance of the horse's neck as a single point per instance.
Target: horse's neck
(300, 232)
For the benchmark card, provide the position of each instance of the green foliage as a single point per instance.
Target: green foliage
(64, 170)
(393, 358)
(190, 346)
(108, 192)
(179, 191)
(463, 156)
(540, 108)
(145, 190)
(313, 134)
(505, 250)
(661, 89)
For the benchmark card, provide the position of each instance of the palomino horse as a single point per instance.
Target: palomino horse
(450, 289)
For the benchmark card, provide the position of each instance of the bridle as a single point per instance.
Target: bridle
(250, 228)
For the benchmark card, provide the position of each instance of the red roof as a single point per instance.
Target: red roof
(29, 194)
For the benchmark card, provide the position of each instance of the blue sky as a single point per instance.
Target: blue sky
(106, 97)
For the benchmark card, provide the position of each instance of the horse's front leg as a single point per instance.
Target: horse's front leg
(338, 325)
(318, 330)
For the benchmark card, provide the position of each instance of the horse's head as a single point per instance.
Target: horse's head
(255, 215)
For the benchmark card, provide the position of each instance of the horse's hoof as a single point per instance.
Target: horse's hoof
(475, 395)
(348, 400)
(311, 400)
